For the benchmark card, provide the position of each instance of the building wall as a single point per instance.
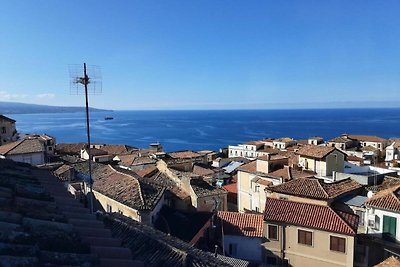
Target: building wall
(377, 216)
(116, 206)
(250, 198)
(9, 135)
(243, 150)
(319, 254)
(31, 158)
(207, 203)
(247, 248)
(324, 167)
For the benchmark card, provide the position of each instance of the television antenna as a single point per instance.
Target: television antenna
(86, 85)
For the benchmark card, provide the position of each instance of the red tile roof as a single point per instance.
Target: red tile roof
(249, 167)
(184, 154)
(368, 138)
(317, 152)
(242, 224)
(387, 199)
(316, 188)
(231, 188)
(287, 173)
(147, 171)
(310, 216)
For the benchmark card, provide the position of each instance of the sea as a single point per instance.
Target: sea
(209, 129)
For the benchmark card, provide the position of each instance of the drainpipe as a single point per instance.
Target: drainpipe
(283, 243)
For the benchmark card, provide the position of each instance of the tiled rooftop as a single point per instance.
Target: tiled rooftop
(368, 138)
(242, 224)
(340, 139)
(70, 149)
(389, 262)
(317, 152)
(25, 146)
(310, 216)
(387, 199)
(387, 182)
(249, 167)
(184, 154)
(117, 149)
(202, 188)
(316, 188)
(156, 248)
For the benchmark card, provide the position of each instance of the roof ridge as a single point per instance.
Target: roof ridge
(137, 180)
(17, 143)
(323, 189)
(343, 220)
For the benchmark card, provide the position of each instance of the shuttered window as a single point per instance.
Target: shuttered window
(305, 237)
(338, 244)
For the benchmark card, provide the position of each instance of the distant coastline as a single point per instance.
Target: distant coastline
(23, 108)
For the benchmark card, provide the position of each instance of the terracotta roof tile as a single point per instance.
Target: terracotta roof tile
(22, 147)
(387, 199)
(368, 138)
(117, 149)
(184, 154)
(242, 224)
(318, 152)
(387, 182)
(231, 188)
(249, 167)
(340, 139)
(147, 171)
(389, 262)
(310, 216)
(316, 188)
(72, 148)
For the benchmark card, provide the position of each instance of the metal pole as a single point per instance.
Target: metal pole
(86, 82)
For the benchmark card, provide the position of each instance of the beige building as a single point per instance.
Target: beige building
(8, 132)
(302, 234)
(204, 197)
(322, 160)
(253, 178)
(283, 143)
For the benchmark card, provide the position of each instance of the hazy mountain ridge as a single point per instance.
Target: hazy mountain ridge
(23, 108)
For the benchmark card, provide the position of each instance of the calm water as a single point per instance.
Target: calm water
(197, 130)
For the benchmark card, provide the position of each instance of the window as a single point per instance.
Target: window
(50, 148)
(273, 232)
(3, 130)
(232, 249)
(257, 209)
(338, 244)
(256, 188)
(304, 237)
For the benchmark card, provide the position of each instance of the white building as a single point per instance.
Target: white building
(383, 213)
(242, 235)
(28, 150)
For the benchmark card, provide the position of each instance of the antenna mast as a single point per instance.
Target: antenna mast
(93, 82)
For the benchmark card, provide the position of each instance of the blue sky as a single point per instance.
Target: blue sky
(203, 54)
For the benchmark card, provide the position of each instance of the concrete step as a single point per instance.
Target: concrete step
(79, 215)
(106, 242)
(67, 200)
(112, 252)
(120, 263)
(93, 232)
(86, 223)
(76, 209)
